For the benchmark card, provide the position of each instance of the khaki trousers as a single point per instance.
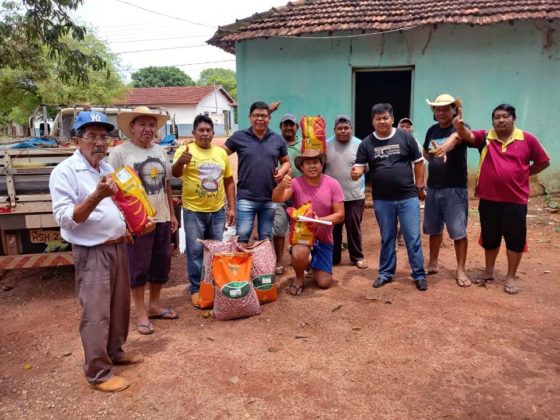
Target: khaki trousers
(103, 289)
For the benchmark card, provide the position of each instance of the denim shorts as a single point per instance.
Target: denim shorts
(449, 207)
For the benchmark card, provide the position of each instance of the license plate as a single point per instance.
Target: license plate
(39, 236)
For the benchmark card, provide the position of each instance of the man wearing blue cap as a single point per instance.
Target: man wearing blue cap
(81, 190)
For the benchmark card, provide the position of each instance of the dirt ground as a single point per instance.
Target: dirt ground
(449, 352)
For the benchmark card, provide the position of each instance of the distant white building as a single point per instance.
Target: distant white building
(185, 102)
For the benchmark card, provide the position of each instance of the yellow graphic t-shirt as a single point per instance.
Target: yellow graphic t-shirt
(203, 178)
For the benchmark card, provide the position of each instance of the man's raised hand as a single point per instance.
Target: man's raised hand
(106, 187)
(186, 156)
(286, 181)
(458, 122)
(439, 151)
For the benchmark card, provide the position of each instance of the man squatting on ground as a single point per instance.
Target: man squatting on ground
(289, 128)
(149, 255)
(259, 150)
(327, 201)
(81, 188)
(207, 178)
(502, 186)
(389, 153)
(447, 197)
(341, 153)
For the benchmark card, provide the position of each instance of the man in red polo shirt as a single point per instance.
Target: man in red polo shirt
(507, 157)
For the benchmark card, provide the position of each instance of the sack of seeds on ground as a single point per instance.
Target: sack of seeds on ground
(211, 247)
(235, 296)
(262, 269)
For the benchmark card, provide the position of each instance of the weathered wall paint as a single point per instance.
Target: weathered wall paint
(485, 65)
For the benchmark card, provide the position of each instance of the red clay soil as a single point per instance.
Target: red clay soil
(449, 352)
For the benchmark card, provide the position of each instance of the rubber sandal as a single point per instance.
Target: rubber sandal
(481, 279)
(512, 290)
(148, 326)
(463, 283)
(164, 313)
(362, 264)
(298, 289)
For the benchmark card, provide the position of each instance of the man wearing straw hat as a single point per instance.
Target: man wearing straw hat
(327, 200)
(447, 198)
(150, 254)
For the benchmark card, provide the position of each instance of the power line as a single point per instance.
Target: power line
(189, 64)
(161, 49)
(167, 16)
(154, 39)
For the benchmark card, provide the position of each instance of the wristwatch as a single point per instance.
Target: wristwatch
(422, 188)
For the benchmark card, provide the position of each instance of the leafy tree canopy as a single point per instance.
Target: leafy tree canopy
(160, 77)
(219, 76)
(32, 28)
(21, 90)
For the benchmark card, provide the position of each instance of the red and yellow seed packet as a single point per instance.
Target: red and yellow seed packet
(302, 232)
(313, 134)
(132, 200)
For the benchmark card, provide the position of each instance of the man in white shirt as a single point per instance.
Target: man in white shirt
(81, 190)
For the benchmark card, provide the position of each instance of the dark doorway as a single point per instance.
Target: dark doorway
(372, 87)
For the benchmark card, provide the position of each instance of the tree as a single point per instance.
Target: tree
(160, 77)
(31, 28)
(219, 76)
(21, 90)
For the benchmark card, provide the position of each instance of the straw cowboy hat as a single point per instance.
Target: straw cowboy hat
(444, 99)
(125, 118)
(310, 154)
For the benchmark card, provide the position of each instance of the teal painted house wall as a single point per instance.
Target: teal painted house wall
(515, 63)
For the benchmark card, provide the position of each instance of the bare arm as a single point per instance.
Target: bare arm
(174, 221)
(535, 168)
(229, 186)
(337, 216)
(179, 165)
(356, 172)
(105, 188)
(283, 192)
(462, 130)
(227, 149)
(283, 170)
(419, 170)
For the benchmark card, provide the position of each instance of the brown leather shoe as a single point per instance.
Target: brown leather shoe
(129, 358)
(194, 299)
(115, 384)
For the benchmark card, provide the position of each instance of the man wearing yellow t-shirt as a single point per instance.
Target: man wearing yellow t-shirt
(207, 177)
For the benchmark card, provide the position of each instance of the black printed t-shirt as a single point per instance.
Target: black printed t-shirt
(453, 173)
(390, 169)
(257, 160)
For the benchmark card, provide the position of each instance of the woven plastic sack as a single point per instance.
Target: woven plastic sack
(132, 200)
(211, 247)
(235, 296)
(313, 134)
(302, 232)
(262, 269)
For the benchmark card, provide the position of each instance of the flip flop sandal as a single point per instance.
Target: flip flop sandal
(481, 279)
(148, 326)
(298, 289)
(511, 290)
(463, 283)
(432, 271)
(163, 315)
(362, 264)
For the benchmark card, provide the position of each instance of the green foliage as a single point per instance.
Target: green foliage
(160, 77)
(22, 90)
(219, 76)
(30, 28)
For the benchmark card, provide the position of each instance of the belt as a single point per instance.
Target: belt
(113, 241)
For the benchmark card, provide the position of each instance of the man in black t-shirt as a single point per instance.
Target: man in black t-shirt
(447, 198)
(389, 153)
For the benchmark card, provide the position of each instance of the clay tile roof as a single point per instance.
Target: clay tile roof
(175, 95)
(313, 16)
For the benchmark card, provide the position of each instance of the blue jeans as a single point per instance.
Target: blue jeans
(408, 212)
(246, 211)
(200, 225)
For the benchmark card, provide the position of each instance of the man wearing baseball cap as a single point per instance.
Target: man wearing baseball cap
(447, 199)
(288, 128)
(81, 189)
(327, 200)
(341, 152)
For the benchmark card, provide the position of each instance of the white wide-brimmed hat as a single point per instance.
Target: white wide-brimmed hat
(125, 118)
(442, 100)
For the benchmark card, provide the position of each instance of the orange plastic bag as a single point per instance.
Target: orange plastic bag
(302, 232)
(211, 247)
(132, 200)
(262, 269)
(235, 296)
(313, 133)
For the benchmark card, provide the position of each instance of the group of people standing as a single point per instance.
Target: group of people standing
(273, 174)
